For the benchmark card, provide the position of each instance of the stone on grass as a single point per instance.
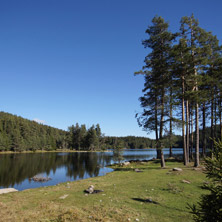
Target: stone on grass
(126, 163)
(137, 170)
(199, 168)
(177, 169)
(91, 190)
(186, 181)
(64, 196)
(7, 190)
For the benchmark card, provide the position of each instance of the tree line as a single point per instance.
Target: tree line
(19, 134)
(182, 88)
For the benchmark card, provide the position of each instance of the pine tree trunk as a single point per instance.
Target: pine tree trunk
(171, 108)
(204, 131)
(183, 125)
(197, 158)
(212, 122)
(191, 126)
(215, 116)
(158, 151)
(161, 128)
(187, 131)
(162, 160)
(220, 117)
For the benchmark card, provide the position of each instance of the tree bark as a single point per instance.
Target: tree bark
(204, 131)
(158, 151)
(215, 115)
(197, 158)
(161, 128)
(212, 121)
(191, 127)
(162, 160)
(183, 124)
(187, 131)
(220, 117)
(171, 108)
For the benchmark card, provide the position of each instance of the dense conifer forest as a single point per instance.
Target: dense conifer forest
(19, 134)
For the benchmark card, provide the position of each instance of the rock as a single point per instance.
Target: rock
(186, 181)
(7, 190)
(126, 163)
(149, 200)
(64, 196)
(40, 179)
(91, 190)
(177, 169)
(137, 170)
(199, 168)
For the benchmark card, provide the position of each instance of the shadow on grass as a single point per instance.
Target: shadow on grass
(154, 202)
(145, 200)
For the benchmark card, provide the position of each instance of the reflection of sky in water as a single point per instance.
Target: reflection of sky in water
(58, 177)
(68, 166)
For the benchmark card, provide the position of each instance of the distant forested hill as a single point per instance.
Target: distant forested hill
(19, 134)
(131, 142)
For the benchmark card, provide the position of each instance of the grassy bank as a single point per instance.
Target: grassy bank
(123, 199)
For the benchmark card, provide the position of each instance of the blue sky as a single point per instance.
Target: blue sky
(68, 61)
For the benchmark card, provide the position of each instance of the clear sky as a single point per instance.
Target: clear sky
(68, 61)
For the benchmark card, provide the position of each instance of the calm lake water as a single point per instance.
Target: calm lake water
(16, 169)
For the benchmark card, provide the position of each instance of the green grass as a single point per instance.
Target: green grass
(123, 199)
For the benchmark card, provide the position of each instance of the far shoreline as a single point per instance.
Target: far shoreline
(53, 151)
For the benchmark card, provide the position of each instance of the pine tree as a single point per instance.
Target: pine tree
(209, 209)
(156, 71)
(195, 40)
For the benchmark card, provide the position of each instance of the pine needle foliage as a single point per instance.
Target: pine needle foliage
(209, 209)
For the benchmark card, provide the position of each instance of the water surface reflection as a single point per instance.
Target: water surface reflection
(16, 169)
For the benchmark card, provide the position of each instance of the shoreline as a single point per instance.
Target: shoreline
(72, 151)
(114, 166)
(53, 151)
(124, 196)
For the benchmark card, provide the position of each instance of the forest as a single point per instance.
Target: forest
(182, 89)
(20, 134)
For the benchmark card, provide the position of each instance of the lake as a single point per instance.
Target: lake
(17, 169)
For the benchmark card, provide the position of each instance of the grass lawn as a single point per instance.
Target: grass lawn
(124, 197)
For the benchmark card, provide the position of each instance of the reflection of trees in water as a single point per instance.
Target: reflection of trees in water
(15, 168)
(77, 165)
(89, 163)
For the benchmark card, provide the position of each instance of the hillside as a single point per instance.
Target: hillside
(19, 134)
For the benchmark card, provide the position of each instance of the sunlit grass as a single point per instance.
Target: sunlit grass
(124, 197)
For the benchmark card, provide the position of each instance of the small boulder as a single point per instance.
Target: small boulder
(126, 163)
(177, 169)
(186, 181)
(90, 189)
(64, 196)
(137, 170)
(199, 168)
